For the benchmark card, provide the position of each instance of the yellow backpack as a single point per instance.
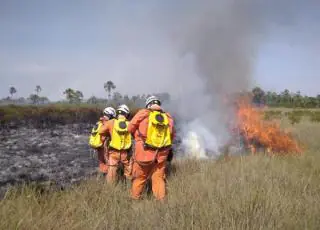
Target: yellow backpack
(158, 134)
(120, 137)
(95, 137)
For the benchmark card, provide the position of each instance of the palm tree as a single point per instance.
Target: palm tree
(109, 86)
(12, 91)
(38, 89)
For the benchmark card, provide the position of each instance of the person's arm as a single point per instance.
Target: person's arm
(171, 125)
(136, 120)
(104, 130)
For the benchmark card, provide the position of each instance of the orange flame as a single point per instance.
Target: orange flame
(267, 134)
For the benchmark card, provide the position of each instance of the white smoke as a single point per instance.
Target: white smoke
(218, 36)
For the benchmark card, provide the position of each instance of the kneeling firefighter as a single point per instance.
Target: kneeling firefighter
(120, 143)
(99, 143)
(153, 130)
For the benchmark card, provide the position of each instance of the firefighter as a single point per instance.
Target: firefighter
(98, 143)
(120, 143)
(154, 133)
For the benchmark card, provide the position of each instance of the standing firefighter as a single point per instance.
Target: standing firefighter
(153, 132)
(98, 143)
(120, 143)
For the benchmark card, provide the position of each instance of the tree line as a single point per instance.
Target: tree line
(284, 99)
(74, 96)
(259, 97)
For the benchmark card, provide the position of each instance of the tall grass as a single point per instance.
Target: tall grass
(251, 192)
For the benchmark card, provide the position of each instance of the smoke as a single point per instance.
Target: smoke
(219, 38)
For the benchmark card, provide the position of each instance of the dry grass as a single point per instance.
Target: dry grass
(253, 192)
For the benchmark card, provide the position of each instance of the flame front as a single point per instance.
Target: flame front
(256, 131)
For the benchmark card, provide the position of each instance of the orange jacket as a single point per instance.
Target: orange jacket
(104, 123)
(138, 126)
(106, 131)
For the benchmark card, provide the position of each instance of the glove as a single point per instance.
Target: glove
(170, 156)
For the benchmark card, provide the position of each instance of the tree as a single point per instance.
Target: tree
(318, 100)
(12, 91)
(108, 87)
(117, 97)
(286, 98)
(38, 89)
(78, 96)
(269, 98)
(258, 96)
(297, 99)
(34, 98)
(69, 94)
(73, 96)
(43, 100)
(92, 100)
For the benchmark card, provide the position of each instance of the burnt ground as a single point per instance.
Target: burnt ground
(57, 155)
(60, 155)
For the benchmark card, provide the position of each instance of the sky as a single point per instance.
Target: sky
(82, 44)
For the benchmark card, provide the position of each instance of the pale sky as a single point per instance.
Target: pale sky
(82, 44)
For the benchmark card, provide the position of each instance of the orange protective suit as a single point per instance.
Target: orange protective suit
(115, 156)
(102, 152)
(148, 163)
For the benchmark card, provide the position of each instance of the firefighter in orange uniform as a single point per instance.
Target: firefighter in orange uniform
(108, 114)
(119, 145)
(153, 132)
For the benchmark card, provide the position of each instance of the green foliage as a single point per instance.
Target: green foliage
(284, 99)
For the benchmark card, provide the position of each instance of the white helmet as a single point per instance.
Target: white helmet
(152, 100)
(109, 112)
(123, 109)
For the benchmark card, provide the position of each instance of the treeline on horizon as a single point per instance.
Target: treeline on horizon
(258, 97)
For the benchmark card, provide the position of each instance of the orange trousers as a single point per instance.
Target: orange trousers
(113, 164)
(140, 175)
(103, 166)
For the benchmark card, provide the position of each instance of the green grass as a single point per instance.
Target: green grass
(252, 192)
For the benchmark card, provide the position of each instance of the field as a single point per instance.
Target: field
(243, 192)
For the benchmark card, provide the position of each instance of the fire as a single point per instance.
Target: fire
(258, 132)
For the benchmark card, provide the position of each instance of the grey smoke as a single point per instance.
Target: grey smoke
(221, 37)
